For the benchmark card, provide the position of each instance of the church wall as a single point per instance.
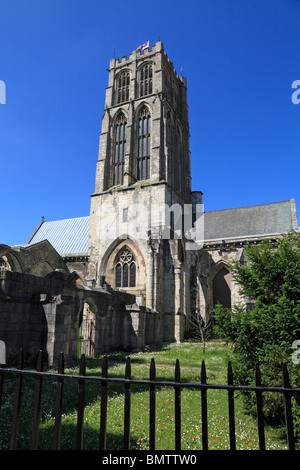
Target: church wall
(78, 266)
(222, 258)
(45, 314)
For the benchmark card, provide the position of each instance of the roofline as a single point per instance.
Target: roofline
(246, 207)
(254, 237)
(36, 230)
(74, 255)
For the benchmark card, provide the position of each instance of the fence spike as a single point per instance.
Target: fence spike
(20, 361)
(17, 402)
(58, 406)
(80, 401)
(203, 373)
(231, 408)
(177, 407)
(2, 366)
(127, 405)
(288, 408)
(103, 412)
(259, 409)
(152, 368)
(229, 374)
(104, 367)
(257, 375)
(152, 405)
(177, 371)
(37, 403)
(285, 375)
(204, 408)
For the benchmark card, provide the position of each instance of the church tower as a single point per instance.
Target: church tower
(143, 170)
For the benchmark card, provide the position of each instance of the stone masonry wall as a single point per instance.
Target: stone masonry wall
(45, 314)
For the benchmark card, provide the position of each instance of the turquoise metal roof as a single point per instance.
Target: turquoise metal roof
(68, 236)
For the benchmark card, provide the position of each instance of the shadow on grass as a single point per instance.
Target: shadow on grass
(90, 439)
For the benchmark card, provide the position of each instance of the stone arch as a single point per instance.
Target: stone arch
(5, 264)
(118, 113)
(87, 328)
(145, 76)
(143, 142)
(122, 86)
(9, 261)
(221, 285)
(109, 165)
(42, 269)
(143, 104)
(108, 263)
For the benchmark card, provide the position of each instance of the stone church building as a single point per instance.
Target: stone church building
(147, 257)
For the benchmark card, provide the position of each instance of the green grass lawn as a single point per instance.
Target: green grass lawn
(190, 356)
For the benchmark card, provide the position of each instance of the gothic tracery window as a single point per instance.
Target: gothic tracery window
(144, 144)
(122, 85)
(145, 81)
(125, 269)
(119, 149)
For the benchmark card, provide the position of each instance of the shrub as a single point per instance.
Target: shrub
(265, 334)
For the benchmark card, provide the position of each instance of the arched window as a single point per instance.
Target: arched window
(122, 87)
(119, 149)
(145, 80)
(222, 288)
(125, 269)
(144, 144)
(87, 329)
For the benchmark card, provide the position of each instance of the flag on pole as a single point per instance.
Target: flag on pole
(143, 46)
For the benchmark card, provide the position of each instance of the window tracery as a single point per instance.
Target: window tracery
(144, 144)
(119, 149)
(145, 81)
(122, 85)
(125, 269)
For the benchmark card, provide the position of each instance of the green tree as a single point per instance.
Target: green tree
(266, 332)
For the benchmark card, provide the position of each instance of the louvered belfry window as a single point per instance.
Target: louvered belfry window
(145, 81)
(125, 269)
(119, 149)
(144, 144)
(122, 92)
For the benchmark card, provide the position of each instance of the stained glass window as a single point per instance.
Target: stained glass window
(125, 270)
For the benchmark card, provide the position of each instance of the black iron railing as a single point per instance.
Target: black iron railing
(60, 377)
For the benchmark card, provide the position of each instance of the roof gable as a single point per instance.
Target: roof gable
(67, 236)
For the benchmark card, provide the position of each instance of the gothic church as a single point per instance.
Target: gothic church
(147, 236)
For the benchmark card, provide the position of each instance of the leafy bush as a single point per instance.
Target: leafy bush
(265, 334)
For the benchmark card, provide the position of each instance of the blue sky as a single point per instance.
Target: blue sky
(240, 58)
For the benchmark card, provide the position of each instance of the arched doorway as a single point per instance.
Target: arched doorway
(87, 331)
(222, 288)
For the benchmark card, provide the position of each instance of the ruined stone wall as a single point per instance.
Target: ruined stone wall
(24, 322)
(45, 314)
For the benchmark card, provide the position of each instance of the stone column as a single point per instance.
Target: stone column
(179, 317)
